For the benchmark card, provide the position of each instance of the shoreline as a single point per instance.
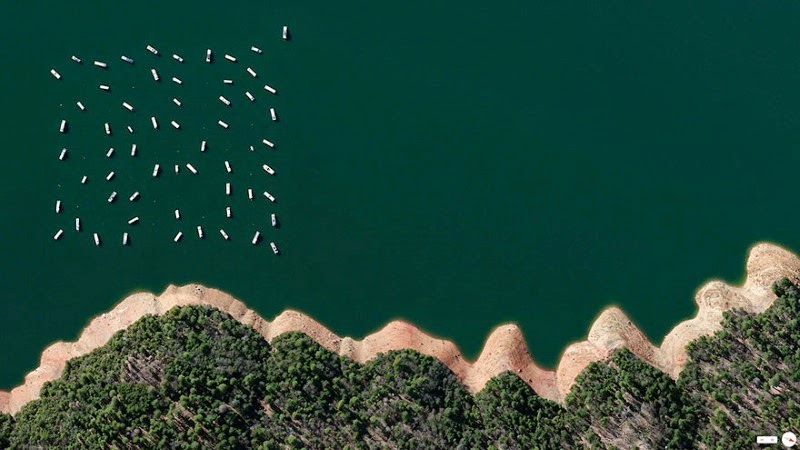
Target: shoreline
(505, 347)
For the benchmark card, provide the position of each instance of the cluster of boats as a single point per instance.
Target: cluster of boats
(209, 57)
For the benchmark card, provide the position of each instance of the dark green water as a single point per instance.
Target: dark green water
(457, 165)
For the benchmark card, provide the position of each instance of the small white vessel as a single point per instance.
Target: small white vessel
(55, 74)
(222, 124)
(274, 220)
(177, 58)
(268, 169)
(200, 232)
(155, 74)
(224, 100)
(252, 72)
(110, 152)
(177, 168)
(273, 114)
(133, 149)
(176, 101)
(130, 130)
(58, 206)
(252, 149)
(153, 121)
(133, 220)
(112, 197)
(177, 236)
(230, 58)
(177, 80)
(133, 197)
(191, 168)
(268, 143)
(155, 170)
(110, 176)
(152, 49)
(228, 212)
(58, 234)
(224, 234)
(84, 179)
(76, 59)
(208, 55)
(101, 64)
(227, 189)
(274, 248)
(256, 237)
(126, 59)
(176, 125)
(96, 239)
(80, 105)
(269, 196)
(227, 81)
(270, 89)
(63, 154)
(104, 87)
(250, 96)
(125, 238)
(107, 128)
(228, 167)
(250, 193)
(203, 146)
(127, 106)
(285, 33)
(77, 224)
(256, 50)
(177, 214)
(63, 127)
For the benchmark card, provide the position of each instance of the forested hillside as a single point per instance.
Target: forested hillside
(196, 378)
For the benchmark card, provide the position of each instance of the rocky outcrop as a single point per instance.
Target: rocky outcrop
(505, 348)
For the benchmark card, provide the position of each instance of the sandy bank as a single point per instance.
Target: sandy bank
(505, 348)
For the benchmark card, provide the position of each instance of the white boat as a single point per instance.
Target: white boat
(130, 130)
(127, 106)
(227, 81)
(268, 143)
(274, 219)
(77, 224)
(250, 96)
(177, 237)
(107, 127)
(58, 234)
(110, 152)
(176, 125)
(269, 196)
(155, 170)
(177, 80)
(63, 154)
(208, 55)
(227, 189)
(177, 168)
(273, 114)
(191, 168)
(126, 59)
(110, 176)
(252, 149)
(112, 197)
(84, 179)
(76, 59)
(63, 127)
(274, 248)
(285, 33)
(222, 124)
(153, 121)
(270, 89)
(133, 196)
(203, 146)
(224, 100)
(125, 238)
(228, 167)
(256, 237)
(250, 193)
(133, 220)
(268, 169)
(152, 49)
(230, 58)
(58, 206)
(177, 58)
(104, 87)
(155, 74)
(101, 64)
(256, 50)
(96, 239)
(80, 105)
(224, 234)
(177, 214)
(133, 149)
(176, 101)
(55, 74)
(200, 232)
(228, 212)
(252, 72)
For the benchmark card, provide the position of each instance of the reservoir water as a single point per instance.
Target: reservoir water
(458, 165)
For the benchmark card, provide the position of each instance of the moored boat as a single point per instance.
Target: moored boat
(55, 74)
(274, 220)
(58, 234)
(152, 49)
(126, 59)
(224, 234)
(274, 248)
(96, 239)
(268, 169)
(256, 237)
